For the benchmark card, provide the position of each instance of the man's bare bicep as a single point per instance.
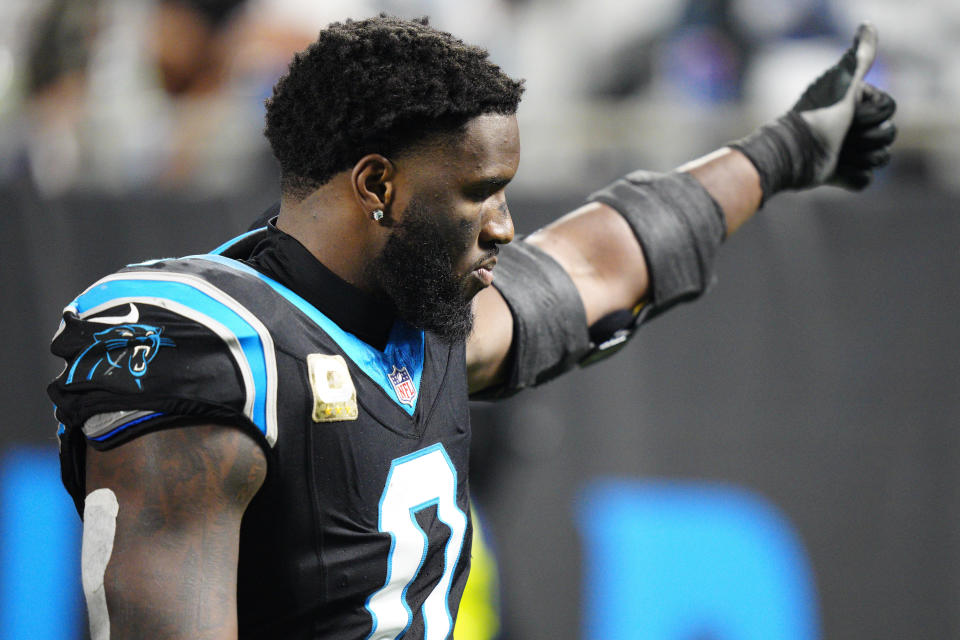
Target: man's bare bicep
(181, 494)
(489, 344)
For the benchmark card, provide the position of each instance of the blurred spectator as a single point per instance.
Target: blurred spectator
(135, 94)
(190, 44)
(705, 56)
(128, 94)
(56, 82)
(699, 57)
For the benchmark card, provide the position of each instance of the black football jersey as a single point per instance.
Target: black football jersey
(362, 529)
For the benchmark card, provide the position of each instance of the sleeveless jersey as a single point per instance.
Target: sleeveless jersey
(361, 529)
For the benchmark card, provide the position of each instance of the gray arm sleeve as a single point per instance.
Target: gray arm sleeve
(678, 225)
(549, 323)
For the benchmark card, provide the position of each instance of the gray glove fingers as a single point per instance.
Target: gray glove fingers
(851, 178)
(864, 158)
(874, 107)
(856, 172)
(875, 159)
(861, 140)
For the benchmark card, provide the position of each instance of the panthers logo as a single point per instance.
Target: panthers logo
(123, 350)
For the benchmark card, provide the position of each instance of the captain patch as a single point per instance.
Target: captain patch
(334, 396)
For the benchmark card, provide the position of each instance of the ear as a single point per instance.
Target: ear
(372, 182)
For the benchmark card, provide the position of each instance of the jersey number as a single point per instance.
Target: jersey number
(417, 481)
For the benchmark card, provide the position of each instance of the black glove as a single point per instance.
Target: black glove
(837, 133)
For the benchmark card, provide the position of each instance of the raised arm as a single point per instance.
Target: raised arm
(647, 240)
(161, 532)
(597, 248)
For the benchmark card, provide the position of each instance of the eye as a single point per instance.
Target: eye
(484, 189)
(477, 194)
(126, 334)
(149, 333)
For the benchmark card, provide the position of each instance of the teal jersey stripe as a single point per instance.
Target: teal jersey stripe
(405, 347)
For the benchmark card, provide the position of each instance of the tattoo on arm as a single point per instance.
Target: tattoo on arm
(181, 493)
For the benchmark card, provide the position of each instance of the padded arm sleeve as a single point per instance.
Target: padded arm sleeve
(678, 225)
(549, 322)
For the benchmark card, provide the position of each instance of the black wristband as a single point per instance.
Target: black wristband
(784, 152)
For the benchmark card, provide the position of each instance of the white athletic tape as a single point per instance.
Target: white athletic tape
(99, 529)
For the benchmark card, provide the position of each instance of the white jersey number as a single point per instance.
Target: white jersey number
(417, 481)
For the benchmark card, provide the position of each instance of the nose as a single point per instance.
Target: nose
(497, 225)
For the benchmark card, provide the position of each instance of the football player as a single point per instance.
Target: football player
(270, 440)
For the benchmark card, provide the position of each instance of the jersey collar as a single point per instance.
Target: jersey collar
(281, 257)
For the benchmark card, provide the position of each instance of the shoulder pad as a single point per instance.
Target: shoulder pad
(161, 338)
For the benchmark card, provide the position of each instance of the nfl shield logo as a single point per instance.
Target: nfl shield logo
(403, 385)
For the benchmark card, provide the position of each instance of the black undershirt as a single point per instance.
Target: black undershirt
(281, 257)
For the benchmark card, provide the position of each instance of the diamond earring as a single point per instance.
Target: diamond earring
(377, 214)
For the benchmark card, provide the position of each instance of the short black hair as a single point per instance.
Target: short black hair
(376, 86)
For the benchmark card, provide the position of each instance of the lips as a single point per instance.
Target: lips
(484, 272)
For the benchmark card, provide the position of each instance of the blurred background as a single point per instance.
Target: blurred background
(778, 460)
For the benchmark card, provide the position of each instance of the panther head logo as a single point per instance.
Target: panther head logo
(125, 349)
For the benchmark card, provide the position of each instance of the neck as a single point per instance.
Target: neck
(332, 228)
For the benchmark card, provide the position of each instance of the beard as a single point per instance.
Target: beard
(416, 271)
